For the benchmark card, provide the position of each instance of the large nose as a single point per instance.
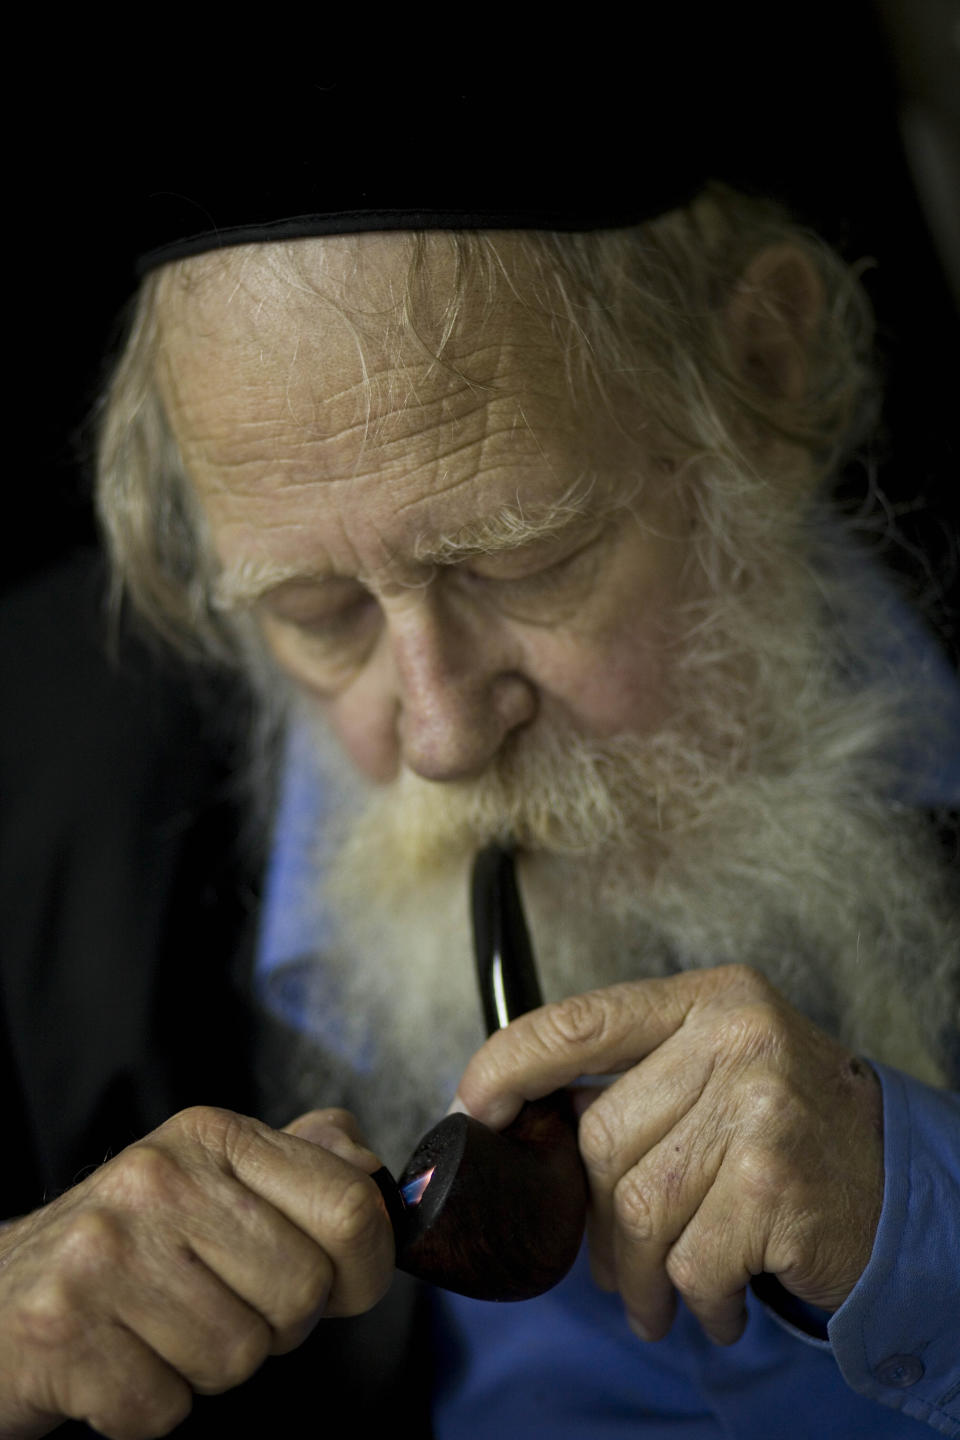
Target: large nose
(460, 686)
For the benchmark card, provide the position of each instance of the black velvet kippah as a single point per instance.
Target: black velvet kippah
(256, 223)
(502, 140)
(524, 156)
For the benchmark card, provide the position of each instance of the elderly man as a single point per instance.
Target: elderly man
(521, 516)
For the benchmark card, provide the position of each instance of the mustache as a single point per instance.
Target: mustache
(550, 790)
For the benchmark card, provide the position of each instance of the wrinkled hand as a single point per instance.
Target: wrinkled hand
(740, 1140)
(180, 1265)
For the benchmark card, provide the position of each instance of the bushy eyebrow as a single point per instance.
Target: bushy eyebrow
(511, 528)
(247, 582)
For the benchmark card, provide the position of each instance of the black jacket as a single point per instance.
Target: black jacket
(129, 882)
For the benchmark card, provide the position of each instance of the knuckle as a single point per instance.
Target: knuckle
(91, 1242)
(228, 1139)
(237, 1355)
(685, 1273)
(579, 1021)
(336, 1116)
(755, 1030)
(802, 1250)
(302, 1302)
(762, 1175)
(568, 1030)
(53, 1312)
(49, 1318)
(598, 1140)
(771, 1108)
(632, 1209)
(143, 1175)
(313, 1287)
(360, 1250)
(206, 1125)
(325, 1127)
(139, 1415)
(749, 980)
(353, 1217)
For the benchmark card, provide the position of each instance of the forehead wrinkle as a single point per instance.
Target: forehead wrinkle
(391, 384)
(245, 456)
(291, 367)
(395, 404)
(434, 454)
(401, 422)
(454, 468)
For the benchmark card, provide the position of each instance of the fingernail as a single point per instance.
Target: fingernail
(457, 1107)
(638, 1328)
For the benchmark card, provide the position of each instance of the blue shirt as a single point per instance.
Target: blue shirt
(567, 1365)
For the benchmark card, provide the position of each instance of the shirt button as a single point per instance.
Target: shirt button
(899, 1371)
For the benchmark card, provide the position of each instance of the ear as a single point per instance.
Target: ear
(771, 317)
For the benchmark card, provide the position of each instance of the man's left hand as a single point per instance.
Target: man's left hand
(739, 1139)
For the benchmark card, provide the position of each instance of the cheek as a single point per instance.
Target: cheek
(611, 684)
(616, 672)
(359, 713)
(367, 735)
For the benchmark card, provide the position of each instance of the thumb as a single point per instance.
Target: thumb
(337, 1131)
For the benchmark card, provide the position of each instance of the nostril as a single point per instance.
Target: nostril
(516, 701)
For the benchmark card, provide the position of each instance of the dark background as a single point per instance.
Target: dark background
(850, 76)
(121, 891)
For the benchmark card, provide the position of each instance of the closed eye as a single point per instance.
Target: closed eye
(539, 576)
(328, 624)
(333, 627)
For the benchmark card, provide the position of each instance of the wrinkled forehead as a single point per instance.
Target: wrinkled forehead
(359, 272)
(372, 303)
(372, 339)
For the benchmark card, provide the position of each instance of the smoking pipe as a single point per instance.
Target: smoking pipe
(496, 1215)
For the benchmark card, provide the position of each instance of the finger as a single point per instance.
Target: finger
(201, 1267)
(331, 1200)
(600, 1032)
(114, 1382)
(625, 1122)
(728, 1236)
(301, 1233)
(194, 1321)
(335, 1130)
(716, 1256)
(282, 1276)
(654, 1205)
(126, 1392)
(65, 1353)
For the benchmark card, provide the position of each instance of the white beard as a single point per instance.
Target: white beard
(757, 829)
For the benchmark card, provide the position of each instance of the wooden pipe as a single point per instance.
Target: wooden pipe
(496, 1215)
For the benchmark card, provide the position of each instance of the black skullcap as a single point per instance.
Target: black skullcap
(569, 133)
(510, 154)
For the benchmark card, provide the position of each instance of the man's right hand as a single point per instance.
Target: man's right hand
(180, 1265)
